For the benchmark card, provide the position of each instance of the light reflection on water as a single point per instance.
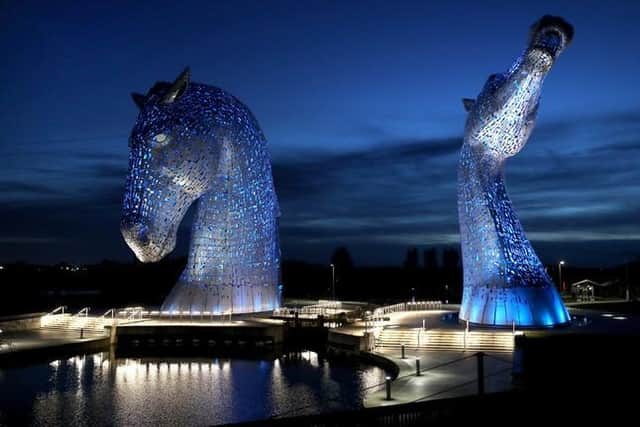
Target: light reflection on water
(99, 390)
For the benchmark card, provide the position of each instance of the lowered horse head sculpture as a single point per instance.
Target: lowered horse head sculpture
(196, 143)
(504, 281)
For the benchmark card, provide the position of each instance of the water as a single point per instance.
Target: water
(94, 390)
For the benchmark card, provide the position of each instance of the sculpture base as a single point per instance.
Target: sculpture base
(221, 299)
(531, 307)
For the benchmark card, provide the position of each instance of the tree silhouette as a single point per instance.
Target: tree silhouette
(411, 261)
(431, 259)
(450, 258)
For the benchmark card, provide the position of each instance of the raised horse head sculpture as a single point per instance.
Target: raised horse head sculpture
(504, 281)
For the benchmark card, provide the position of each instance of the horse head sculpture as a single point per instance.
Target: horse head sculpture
(504, 281)
(194, 142)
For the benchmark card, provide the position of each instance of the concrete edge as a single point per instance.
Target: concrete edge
(49, 353)
(382, 362)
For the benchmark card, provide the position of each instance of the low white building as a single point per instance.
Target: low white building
(587, 290)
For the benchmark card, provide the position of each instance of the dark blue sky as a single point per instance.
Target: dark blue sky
(360, 102)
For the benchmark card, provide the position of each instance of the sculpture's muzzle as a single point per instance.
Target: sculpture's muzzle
(144, 246)
(551, 35)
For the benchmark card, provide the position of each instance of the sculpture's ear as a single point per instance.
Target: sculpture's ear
(468, 103)
(178, 87)
(138, 99)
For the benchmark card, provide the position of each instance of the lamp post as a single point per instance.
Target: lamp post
(333, 282)
(626, 278)
(560, 264)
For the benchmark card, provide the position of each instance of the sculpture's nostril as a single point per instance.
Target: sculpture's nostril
(551, 41)
(553, 38)
(143, 235)
(135, 234)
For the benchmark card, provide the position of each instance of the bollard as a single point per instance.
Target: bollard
(388, 385)
(417, 367)
(480, 356)
(403, 357)
(466, 332)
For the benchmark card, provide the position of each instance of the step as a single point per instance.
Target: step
(415, 338)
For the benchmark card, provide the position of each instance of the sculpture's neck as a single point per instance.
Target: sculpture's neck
(233, 239)
(480, 166)
(490, 231)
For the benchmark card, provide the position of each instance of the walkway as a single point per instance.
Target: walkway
(443, 374)
(446, 372)
(21, 345)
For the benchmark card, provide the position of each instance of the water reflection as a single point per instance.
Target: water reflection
(99, 389)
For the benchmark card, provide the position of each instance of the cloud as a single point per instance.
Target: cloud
(13, 187)
(576, 181)
(106, 170)
(575, 186)
(25, 240)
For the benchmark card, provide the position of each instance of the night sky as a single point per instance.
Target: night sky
(360, 103)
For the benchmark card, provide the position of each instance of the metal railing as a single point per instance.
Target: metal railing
(390, 309)
(323, 308)
(84, 311)
(423, 305)
(61, 309)
(333, 308)
(47, 318)
(132, 313)
(408, 306)
(112, 312)
(77, 322)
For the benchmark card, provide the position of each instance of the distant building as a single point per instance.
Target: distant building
(588, 290)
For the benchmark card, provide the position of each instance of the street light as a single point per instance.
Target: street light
(626, 278)
(560, 264)
(333, 282)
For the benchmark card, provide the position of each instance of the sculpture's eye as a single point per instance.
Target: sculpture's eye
(494, 80)
(161, 139)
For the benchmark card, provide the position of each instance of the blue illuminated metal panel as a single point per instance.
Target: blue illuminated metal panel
(504, 281)
(194, 143)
